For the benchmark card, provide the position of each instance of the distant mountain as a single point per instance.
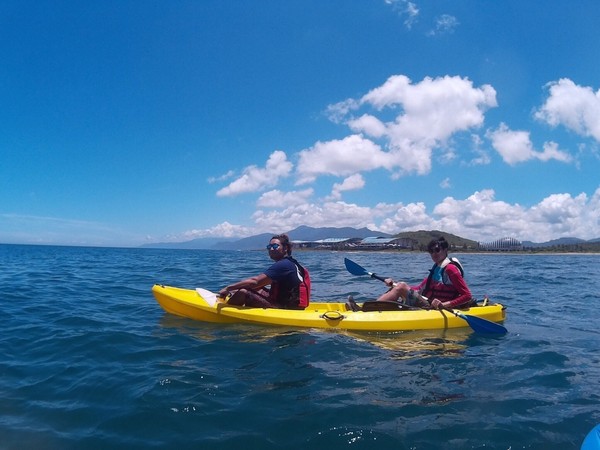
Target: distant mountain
(555, 242)
(194, 244)
(259, 241)
(304, 233)
(423, 237)
(256, 242)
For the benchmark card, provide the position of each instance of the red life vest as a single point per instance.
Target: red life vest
(304, 287)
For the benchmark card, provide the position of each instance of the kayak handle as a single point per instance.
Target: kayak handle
(332, 315)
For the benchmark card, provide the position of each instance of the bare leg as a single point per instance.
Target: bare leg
(402, 292)
(395, 293)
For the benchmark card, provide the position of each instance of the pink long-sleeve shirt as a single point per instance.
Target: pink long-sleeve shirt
(447, 285)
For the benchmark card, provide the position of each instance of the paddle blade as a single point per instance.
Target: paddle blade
(592, 440)
(480, 325)
(354, 268)
(208, 296)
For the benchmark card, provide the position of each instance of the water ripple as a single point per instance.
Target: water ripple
(91, 361)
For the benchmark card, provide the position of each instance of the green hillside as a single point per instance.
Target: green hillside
(423, 237)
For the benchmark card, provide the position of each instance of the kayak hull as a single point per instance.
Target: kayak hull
(327, 315)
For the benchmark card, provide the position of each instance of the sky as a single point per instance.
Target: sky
(127, 122)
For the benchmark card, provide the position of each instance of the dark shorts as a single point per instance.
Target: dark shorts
(259, 299)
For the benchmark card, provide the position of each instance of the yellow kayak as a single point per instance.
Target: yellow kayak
(201, 304)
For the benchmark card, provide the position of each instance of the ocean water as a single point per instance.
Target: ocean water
(90, 361)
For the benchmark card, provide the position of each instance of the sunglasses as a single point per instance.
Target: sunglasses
(435, 250)
(273, 246)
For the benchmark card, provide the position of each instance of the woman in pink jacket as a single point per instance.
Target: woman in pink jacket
(445, 286)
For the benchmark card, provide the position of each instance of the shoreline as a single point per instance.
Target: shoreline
(450, 251)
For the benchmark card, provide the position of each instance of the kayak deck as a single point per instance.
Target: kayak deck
(329, 315)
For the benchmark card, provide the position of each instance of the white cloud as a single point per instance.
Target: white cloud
(406, 218)
(340, 158)
(574, 107)
(315, 215)
(551, 151)
(371, 125)
(445, 183)
(482, 217)
(444, 24)
(224, 229)
(516, 147)
(513, 146)
(482, 156)
(351, 183)
(226, 176)
(429, 113)
(479, 217)
(279, 199)
(399, 127)
(256, 179)
(407, 9)
(338, 112)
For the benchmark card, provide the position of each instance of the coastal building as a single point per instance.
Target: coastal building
(378, 242)
(504, 244)
(369, 243)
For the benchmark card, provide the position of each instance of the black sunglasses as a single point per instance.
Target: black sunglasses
(273, 246)
(435, 250)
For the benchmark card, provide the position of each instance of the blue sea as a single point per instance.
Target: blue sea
(90, 361)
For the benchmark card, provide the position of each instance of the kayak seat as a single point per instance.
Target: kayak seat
(374, 305)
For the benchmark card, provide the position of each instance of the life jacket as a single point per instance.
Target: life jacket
(304, 287)
(451, 260)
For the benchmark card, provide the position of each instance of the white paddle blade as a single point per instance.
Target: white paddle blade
(208, 296)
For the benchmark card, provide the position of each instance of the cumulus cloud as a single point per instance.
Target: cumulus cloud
(340, 158)
(279, 199)
(316, 215)
(516, 147)
(428, 114)
(480, 216)
(431, 112)
(224, 229)
(486, 218)
(399, 126)
(424, 117)
(351, 183)
(256, 179)
(574, 107)
(371, 125)
(410, 217)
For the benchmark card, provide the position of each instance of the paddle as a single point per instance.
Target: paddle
(208, 296)
(355, 269)
(478, 324)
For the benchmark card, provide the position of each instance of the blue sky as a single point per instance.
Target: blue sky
(129, 122)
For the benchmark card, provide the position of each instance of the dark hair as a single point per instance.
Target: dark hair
(439, 242)
(285, 241)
